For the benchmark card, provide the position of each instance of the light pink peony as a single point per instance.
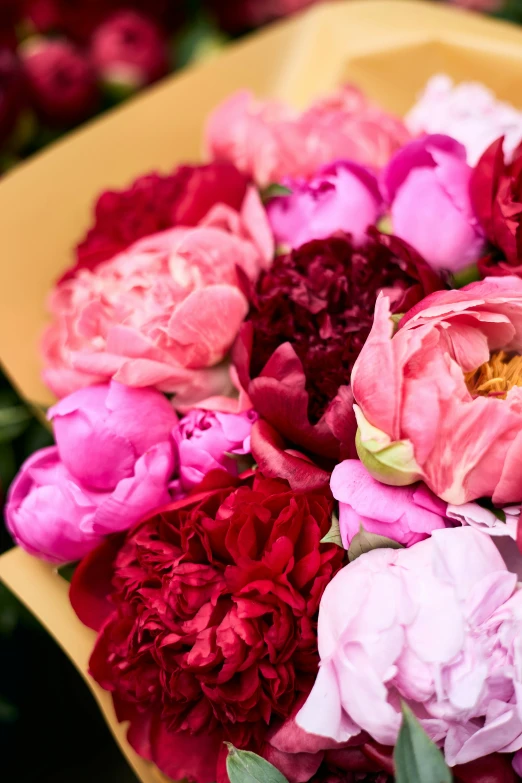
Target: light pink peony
(112, 465)
(208, 440)
(269, 141)
(427, 184)
(437, 625)
(404, 514)
(162, 313)
(341, 197)
(439, 400)
(468, 111)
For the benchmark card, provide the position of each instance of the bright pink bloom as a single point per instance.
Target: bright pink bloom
(208, 440)
(269, 141)
(404, 514)
(422, 409)
(111, 466)
(128, 48)
(162, 313)
(436, 625)
(341, 197)
(427, 184)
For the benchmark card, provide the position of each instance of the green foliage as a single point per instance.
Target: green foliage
(416, 757)
(243, 766)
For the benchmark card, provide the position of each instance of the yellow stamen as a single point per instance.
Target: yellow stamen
(496, 377)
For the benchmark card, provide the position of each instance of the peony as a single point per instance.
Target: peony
(311, 314)
(420, 627)
(269, 141)
(12, 93)
(60, 79)
(128, 49)
(154, 203)
(208, 440)
(440, 399)
(209, 631)
(112, 464)
(496, 192)
(236, 16)
(405, 514)
(468, 111)
(163, 313)
(341, 197)
(427, 186)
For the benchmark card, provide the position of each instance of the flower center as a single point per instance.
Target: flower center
(495, 377)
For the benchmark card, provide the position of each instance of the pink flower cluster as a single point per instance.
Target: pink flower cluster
(280, 390)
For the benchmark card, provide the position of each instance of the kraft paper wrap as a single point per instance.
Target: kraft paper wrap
(387, 48)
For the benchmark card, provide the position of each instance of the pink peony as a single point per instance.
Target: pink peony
(208, 440)
(129, 49)
(440, 399)
(341, 197)
(436, 625)
(427, 184)
(162, 313)
(404, 514)
(269, 141)
(111, 466)
(468, 111)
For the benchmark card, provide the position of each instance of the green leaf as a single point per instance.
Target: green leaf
(334, 534)
(487, 503)
(416, 757)
(13, 421)
(273, 191)
(363, 542)
(67, 571)
(243, 766)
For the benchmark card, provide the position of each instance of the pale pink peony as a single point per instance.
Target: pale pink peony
(439, 400)
(162, 313)
(269, 141)
(468, 111)
(437, 625)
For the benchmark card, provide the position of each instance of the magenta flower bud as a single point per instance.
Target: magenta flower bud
(129, 50)
(61, 81)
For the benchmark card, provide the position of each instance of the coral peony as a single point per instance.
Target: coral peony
(207, 440)
(421, 627)
(128, 49)
(404, 514)
(440, 399)
(311, 314)
(269, 141)
(496, 192)
(61, 81)
(154, 203)
(341, 197)
(427, 185)
(209, 633)
(112, 464)
(468, 112)
(163, 313)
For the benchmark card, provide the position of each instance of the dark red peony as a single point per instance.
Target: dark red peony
(12, 93)
(154, 203)
(210, 633)
(496, 194)
(311, 314)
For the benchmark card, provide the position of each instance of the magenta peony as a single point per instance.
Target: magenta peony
(269, 141)
(413, 624)
(440, 400)
(163, 313)
(112, 465)
(427, 184)
(405, 514)
(341, 197)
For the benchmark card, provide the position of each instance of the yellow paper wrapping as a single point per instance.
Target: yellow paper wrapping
(389, 48)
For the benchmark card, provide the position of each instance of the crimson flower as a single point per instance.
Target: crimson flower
(154, 203)
(311, 314)
(210, 631)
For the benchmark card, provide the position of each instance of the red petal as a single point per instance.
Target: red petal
(275, 461)
(182, 755)
(91, 583)
(490, 769)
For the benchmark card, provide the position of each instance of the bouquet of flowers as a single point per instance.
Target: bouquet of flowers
(288, 438)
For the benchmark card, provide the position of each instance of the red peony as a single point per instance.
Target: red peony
(210, 633)
(311, 314)
(12, 93)
(239, 15)
(154, 203)
(496, 194)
